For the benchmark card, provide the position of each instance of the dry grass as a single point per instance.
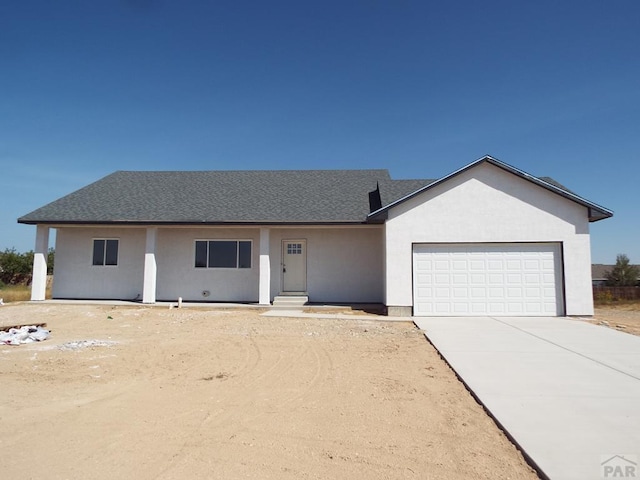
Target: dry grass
(18, 293)
(622, 315)
(626, 305)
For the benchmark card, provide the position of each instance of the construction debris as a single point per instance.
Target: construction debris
(25, 334)
(80, 344)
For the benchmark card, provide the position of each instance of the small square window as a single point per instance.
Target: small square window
(294, 248)
(105, 252)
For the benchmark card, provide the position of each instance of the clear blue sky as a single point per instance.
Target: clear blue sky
(419, 87)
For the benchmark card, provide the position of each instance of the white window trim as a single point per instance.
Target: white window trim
(237, 240)
(104, 257)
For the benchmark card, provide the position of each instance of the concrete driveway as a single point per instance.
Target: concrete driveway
(566, 391)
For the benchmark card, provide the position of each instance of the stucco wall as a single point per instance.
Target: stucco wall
(76, 277)
(487, 204)
(178, 277)
(344, 265)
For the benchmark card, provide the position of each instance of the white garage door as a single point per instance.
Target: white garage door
(487, 279)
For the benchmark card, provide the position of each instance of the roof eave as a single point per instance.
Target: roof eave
(181, 223)
(602, 212)
(595, 215)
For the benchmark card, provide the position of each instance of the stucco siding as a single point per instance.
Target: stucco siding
(76, 277)
(485, 204)
(344, 265)
(178, 277)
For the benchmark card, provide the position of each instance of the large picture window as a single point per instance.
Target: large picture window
(223, 254)
(105, 251)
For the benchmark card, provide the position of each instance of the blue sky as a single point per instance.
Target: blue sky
(419, 87)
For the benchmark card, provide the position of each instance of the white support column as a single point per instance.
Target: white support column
(39, 278)
(265, 268)
(150, 268)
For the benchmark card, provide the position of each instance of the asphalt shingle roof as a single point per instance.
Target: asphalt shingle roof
(235, 197)
(392, 190)
(286, 196)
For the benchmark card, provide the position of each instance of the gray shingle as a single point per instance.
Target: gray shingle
(287, 196)
(392, 190)
(555, 183)
(211, 197)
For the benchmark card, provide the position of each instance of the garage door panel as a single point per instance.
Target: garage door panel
(460, 279)
(493, 293)
(513, 279)
(462, 293)
(475, 265)
(534, 265)
(495, 308)
(460, 308)
(488, 279)
(495, 265)
(441, 293)
(478, 308)
(515, 293)
(514, 265)
(477, 294)
(533, 293)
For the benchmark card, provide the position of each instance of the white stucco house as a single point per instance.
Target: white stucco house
(487, 239)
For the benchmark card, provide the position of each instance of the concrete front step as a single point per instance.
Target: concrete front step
(290, 301)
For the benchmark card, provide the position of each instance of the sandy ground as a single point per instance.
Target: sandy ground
(195, 393)
(625, 317)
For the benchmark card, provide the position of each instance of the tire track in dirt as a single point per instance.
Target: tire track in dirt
(272, 373)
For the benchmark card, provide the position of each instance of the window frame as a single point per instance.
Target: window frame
(105, 252)
(208, 258)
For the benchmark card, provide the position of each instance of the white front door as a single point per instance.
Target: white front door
(294, 266)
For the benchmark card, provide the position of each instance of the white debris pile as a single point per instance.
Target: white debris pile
(26, 334)
(79, 344)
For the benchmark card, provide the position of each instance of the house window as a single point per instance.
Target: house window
(105, 251)
(223, 254)
(294, 249)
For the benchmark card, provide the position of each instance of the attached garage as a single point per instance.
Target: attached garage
(520, 279)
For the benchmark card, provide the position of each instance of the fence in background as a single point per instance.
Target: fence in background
(608, 294)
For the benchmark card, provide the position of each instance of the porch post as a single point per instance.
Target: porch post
(265, 268)
(39, 277)
(150, 269)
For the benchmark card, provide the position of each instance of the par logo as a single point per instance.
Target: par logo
(619, 466)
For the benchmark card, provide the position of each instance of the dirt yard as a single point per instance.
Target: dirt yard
(624, 317)
(150, 393)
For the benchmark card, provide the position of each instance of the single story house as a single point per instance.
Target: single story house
(599, 274)
(487, 239)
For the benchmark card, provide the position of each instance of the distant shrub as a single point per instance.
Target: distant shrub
(604, 296)
(623, 273)
(15, 267)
